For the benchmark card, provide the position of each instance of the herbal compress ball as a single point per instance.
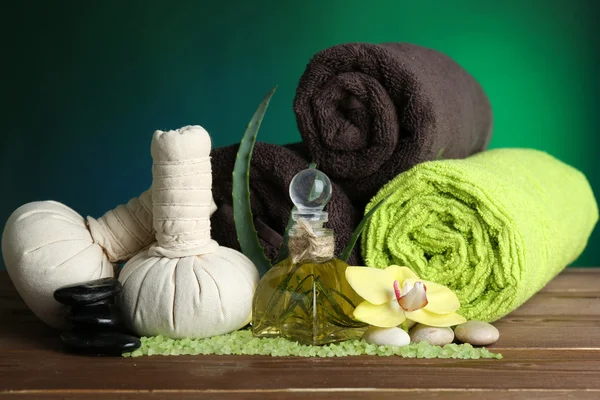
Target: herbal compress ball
(185, 284)
(47, 245)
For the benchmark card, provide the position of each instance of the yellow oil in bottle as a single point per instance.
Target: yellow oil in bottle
(309, 302)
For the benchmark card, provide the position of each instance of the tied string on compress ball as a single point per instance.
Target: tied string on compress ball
(306, 245)
(124, 231)
(182, 204)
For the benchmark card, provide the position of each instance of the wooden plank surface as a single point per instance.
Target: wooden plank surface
(551, 349)
(295, 394)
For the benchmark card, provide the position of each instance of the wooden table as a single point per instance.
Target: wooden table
(551, 349)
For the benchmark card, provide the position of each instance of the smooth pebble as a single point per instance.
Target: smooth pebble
(79, 307)
(98, 315)
(88, 292)
(386, 336)
(431, 335)
(99, 343)
(477, 333)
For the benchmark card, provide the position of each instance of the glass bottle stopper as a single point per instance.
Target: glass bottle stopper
(310, 191)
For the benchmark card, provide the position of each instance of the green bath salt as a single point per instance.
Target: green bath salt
(243, 343)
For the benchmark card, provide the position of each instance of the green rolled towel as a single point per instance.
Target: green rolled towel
(495, 227)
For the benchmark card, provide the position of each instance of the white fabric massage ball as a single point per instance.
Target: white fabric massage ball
(47, 245)
(185, 284)
(188, 297)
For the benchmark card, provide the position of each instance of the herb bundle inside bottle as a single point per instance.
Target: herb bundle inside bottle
(306, 297)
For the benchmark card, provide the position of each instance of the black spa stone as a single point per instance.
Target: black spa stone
(77, 307)
(99, 343)
(88, 292)
(105, 316)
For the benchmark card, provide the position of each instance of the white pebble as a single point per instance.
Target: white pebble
(431, 335)
(386, 336)
(477, 333)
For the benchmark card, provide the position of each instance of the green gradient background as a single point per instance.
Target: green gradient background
(85, 83)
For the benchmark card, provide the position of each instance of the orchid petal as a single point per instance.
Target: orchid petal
(429, 318)
(407, 287)
(401, 274)
(372, 284)
(414, 299)
(385, 315)
(441, 300)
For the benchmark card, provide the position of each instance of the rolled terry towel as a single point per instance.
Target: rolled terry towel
(271, 171)
(495, 227)
(368, 112)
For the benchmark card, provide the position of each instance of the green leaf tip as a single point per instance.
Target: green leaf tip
(345, 255)
(440, 153)
(242, 209)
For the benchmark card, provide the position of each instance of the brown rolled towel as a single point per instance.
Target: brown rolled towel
(272, 169)
(368, 112)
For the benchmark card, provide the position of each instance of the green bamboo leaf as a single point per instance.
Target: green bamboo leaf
(280, 291)
(333, 309)
(242, 210)
(356, 234)
(284, 250)
(439, 154)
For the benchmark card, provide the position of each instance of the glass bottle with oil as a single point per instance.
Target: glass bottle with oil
(306, 297)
